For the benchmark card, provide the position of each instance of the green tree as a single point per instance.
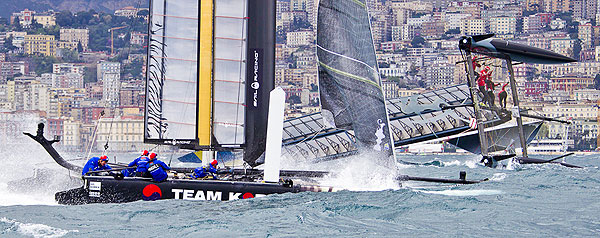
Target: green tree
(8, 45)
(576, 49)
(70, 56)
(300, 23)
(417, 42)
(64, 19)
(79, 47)
(90, 74)
(43, 64)
(453, 31)
(294, 99)
(36, 25)
(16, 26)
(142, 13)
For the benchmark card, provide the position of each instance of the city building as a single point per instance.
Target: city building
(128, 11)
(300, 38)
(503, 25)
(40, 44)
(570, 84)
(121, 134)
(109, 73)
(472, 26)
(46, 20)
(76, 36)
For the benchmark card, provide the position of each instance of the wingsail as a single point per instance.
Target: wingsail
(209, 75)
(351, 95)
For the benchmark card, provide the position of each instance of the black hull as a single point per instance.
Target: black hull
(106, 189)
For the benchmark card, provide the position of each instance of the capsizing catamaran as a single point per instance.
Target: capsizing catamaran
(507, 51)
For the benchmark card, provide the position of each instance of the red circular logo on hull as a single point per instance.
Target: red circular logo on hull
(247, 195)
(151, 192)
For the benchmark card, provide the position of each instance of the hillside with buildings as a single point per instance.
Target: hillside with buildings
(7, 7)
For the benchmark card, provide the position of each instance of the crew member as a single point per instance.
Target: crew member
(157, 168)
(481, 84)
(206, 172)
(502, 96)
(475, 65)
(133, 171)
(95, 164)
(489, 84)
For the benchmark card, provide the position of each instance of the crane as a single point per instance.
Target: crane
(112, 44)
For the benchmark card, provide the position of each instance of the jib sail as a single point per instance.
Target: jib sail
(351, 95)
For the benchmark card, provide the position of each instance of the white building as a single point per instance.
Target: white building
(454, 20)
(123, 134)
(71, 137)
(503, 25)
(586, 95)
(109, 73)
(75, 35)
(473, 26)
(298, 38)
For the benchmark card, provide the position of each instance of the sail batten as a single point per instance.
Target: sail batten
(229, 71)
(172, 65)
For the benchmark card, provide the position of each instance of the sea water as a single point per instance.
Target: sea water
(530, 201)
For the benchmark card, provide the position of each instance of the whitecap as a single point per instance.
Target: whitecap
(35, 230)
(452, 163)
(498, 177)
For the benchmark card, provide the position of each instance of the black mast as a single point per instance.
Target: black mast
(260, 75)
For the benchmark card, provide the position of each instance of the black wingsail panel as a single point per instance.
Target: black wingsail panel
(350, 93)
(260, 75)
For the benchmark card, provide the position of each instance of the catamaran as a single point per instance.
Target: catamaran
(210, 87)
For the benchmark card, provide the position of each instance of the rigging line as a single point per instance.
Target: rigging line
(132, 23)
(91, 143)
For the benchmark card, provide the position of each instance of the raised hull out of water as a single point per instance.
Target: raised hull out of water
(503, 138)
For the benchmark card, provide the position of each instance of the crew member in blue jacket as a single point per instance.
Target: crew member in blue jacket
(141, 166)
(206, 172)
(95, 164)
(157, 168)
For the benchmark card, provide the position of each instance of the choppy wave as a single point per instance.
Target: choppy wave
(455, 192)
(9, 227)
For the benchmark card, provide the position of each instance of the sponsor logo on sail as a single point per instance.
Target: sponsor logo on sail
(254, 76)
(256, 85)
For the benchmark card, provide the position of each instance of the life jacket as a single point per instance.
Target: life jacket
(203, 172)
(93, 165)
(156, 170)
(142, 164)
(482, 77)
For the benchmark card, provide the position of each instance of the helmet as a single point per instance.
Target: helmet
(214, 163)
(145, 153)
(487, 67)
(152, 155)
(104, 158)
